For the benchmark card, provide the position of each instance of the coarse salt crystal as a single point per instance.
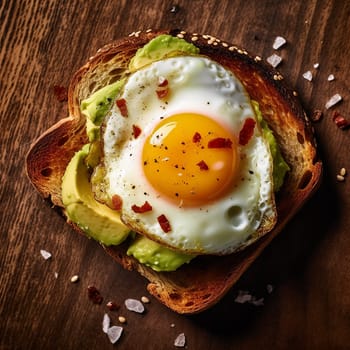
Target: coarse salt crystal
(180, 340)
(134, 305)
(279, 42)
(246, 297)
(269, 288)
(274, 60)
(333, 101)
(243, 297)
(114, 333)
(56, 275)
(45, 254)
(330, 77)
(307, 75)
(106, 323)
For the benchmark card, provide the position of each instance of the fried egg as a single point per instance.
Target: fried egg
(175, 162)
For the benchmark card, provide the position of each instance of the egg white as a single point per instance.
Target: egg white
(198, 85)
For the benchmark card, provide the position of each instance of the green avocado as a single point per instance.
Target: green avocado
(156, 256)
(95, 219)
(160, 47)
(97, 105)
(280, 167)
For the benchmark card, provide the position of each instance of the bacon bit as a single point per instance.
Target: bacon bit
(136, 131)
(117, 202)
(162, 82)
(164, 89)
(164, 223)
(94, 295)
(61, 93)
(121, 104)
(340, 121)
(196, 137)
(141, 209)
(220, 142)
(203, 165)
(162, 93)
(112, 306)
(247, 131)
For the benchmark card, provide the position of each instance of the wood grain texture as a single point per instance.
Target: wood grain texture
(43, 44)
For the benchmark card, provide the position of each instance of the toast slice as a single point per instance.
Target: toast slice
(196, 286)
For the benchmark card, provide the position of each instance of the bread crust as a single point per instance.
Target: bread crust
(202, 283)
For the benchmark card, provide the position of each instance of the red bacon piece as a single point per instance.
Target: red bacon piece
(121, 104)
(220, 142)
(145, 207)
(117, 202)
(203, 165)
(162, 93)
(247, 131)
(164, 223)
(196, 137)
(136, 131)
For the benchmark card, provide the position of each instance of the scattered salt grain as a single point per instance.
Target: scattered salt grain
(257, 302)
(45, 254)
(316, 65)
(172, 325)
(333, 101)
(134, 305)
(307, 75)
(56, 275)
(114, 333)
(180, 340)
(279, 42)
(330, 77)
(106, 323)
(274, 60)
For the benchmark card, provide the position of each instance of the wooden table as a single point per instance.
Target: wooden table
(42, 44)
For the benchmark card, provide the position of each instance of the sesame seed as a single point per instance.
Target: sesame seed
(342, 172)
(181, 36)
(295, 93)
(258, 58)
(205, 37)
(215, 43)
(210, 41)
(231, 48)
(224, 44)
(340, 178)
(122, 319)
(183, 32)
(145, 300)
(74, 279)
(148, 30)
(194, 38)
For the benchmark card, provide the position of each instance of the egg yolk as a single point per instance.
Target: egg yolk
(190, 159)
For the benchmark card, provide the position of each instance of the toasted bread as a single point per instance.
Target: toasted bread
(200, 284)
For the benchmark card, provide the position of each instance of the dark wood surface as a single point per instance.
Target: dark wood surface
(42, 44)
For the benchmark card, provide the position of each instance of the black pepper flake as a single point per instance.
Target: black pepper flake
(176, 166)
(145, 162)
(176, 194)
(251, 172)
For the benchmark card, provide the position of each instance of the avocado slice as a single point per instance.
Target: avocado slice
(156, 256)
(95, 219)
(160, 47)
